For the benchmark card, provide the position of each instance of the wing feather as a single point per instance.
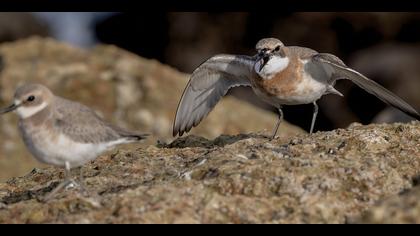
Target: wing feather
(82, 124)
(207, 85)
(334, 65)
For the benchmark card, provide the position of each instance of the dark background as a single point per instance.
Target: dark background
(383, 46)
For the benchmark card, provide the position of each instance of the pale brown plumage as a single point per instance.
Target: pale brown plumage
(61, 132)
(76, 121)
(82, 124)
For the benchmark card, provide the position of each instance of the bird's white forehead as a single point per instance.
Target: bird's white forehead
(17, 102)
(26, 112)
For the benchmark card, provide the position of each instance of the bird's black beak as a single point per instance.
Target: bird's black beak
(263, 58)
(8, 109)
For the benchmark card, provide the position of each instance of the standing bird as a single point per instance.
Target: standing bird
(61, 132)
(279, 75)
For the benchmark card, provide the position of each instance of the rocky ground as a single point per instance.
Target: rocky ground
(362, 174)
(403, 208)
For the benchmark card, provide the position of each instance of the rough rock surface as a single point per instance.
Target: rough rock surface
(400, 209)
(326, 177)
(126, 89)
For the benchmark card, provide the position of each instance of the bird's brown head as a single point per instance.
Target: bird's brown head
(270, 46)
(29, 99)
(271, 57)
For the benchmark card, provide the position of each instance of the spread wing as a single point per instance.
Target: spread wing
(82, 124)
(333, 65)
(207, 85)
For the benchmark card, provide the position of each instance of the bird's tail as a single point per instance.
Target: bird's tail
(136, 137)
(131, 136)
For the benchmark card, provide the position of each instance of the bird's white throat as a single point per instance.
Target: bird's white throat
(26, 112)
(274, 65)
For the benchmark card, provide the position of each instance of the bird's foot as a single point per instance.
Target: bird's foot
(66, 185)
(270, 137)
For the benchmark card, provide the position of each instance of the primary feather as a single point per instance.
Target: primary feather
(207, 85)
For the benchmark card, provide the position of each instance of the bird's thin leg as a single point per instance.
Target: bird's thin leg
(278, 123)
(314, 117)
(62, 185)
(85, 192)
(81, 182)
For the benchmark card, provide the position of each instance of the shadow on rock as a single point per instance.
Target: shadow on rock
(192, 141)
(28, 194)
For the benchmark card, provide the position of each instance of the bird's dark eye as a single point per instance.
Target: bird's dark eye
(31, 98)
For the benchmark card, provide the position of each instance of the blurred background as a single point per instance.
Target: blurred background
(383, 46)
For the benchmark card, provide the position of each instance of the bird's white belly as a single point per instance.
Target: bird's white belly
(308, 91)
(57, 151)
